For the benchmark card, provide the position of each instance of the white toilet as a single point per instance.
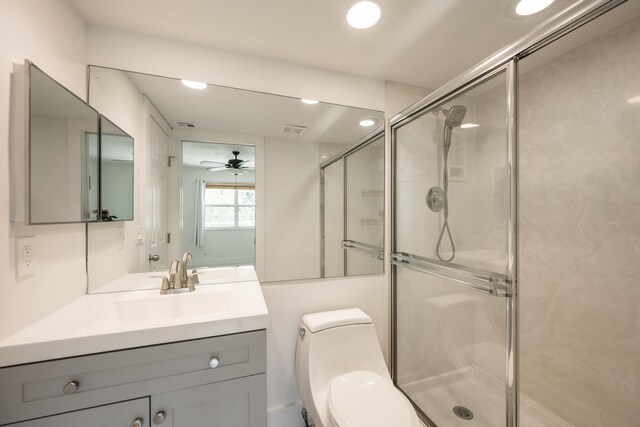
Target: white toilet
(342, 376)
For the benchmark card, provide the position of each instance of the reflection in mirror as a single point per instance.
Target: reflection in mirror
(353, 210)
(282, 138)
(364, 216)
(218, 203)
(62, 165)
(116, 173)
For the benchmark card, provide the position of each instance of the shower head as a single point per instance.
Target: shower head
(455, 116)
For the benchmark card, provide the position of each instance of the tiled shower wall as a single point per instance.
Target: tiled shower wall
(580, 231)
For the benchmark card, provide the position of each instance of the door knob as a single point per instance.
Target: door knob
(154, 257)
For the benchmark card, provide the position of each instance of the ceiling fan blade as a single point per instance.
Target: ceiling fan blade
(217, 169)
(211, 163)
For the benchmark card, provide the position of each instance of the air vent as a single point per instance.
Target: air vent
(293, 129)
(189, 125)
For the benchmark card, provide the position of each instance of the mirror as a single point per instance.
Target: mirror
(353, 210)
(281, 143)
(116, 173)
(63, 161)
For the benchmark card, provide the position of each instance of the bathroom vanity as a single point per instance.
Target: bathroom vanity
(185, 362)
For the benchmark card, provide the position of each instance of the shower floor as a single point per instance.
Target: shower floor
(438, 396)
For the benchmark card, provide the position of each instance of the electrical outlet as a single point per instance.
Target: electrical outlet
(25, 257)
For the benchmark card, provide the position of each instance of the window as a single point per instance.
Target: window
(229, 206)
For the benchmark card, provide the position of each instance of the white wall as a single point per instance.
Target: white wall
(292, 210)
(32, 29)
(135, 52)
(115, 96)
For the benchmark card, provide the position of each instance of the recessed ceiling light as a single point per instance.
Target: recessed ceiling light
(469, 125)
(529, 7)
(363, 14)
(194, 85)
(368, 122)
(309, 101)
(634, 100)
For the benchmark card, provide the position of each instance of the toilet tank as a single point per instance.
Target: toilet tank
(330, 344)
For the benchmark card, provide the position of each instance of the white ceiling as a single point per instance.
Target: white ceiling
(421, 42)
(244, 112)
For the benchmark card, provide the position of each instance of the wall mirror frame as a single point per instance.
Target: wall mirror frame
(291, 139)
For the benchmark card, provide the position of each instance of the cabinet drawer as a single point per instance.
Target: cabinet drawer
(38, 389)
(115, 415)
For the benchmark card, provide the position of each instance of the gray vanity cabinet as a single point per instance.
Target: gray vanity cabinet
(213, 382)
(232, 403)
(123, 414)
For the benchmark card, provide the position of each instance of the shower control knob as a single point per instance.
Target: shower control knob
(435, 199)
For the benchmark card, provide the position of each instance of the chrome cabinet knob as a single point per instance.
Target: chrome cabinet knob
(214, 362)
(159, 417)
(138, 422)
(154, 258)
(71, 387)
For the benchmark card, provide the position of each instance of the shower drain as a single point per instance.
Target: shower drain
(463, 412)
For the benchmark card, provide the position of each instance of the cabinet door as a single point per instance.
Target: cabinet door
(235, 403)
(121, 414)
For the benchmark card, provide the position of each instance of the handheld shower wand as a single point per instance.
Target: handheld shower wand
(454, 118)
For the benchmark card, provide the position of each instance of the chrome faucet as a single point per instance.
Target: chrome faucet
(178, 279)
(182, 268)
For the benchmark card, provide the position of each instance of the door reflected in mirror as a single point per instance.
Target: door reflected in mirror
(268, 216)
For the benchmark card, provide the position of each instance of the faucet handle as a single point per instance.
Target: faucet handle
(192, 280)
(165, 283)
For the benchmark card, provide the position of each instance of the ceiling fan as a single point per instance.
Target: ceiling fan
(236, 166)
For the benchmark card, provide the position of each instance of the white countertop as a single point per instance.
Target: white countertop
(208, 275)
(114, 321)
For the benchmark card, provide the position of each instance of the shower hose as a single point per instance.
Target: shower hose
(445, 209)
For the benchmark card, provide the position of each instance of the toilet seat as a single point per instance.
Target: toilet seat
(365, 399)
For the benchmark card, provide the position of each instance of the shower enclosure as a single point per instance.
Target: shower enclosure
(515, 232)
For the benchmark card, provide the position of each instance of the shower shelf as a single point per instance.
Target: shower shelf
(373, 193)
(371, 221)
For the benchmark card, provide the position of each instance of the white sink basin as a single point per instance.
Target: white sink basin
(189, 304)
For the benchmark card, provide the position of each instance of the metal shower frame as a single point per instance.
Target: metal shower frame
(505, 60)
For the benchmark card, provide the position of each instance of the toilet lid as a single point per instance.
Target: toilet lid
(365, 399)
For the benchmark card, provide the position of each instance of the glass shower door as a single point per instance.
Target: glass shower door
(451, 240)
